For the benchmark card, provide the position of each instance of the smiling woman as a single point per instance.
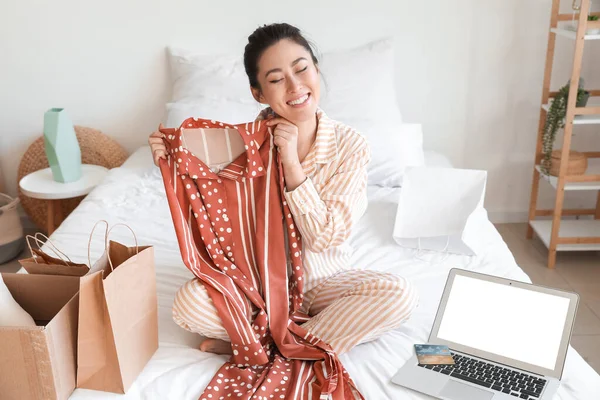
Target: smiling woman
(324, 165)
(283, 73)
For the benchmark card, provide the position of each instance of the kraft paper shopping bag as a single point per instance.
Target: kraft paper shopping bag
(41, 263)
(118, 321)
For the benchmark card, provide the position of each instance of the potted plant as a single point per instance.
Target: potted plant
(596, 29)
(555, 120)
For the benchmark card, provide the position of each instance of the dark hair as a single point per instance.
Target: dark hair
(263, 38)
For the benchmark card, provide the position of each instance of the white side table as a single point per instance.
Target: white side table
(41, 185)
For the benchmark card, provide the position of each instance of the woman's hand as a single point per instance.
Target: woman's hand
(157, 146)
(285, 137)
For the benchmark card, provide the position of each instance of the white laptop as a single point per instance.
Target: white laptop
(509, 340)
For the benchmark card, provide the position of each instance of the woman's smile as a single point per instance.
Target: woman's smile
(299, 101)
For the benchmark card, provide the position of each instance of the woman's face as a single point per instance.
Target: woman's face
(289, 81)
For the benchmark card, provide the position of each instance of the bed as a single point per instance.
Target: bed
(134, 194)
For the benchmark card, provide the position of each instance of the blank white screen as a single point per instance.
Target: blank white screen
(505, 320)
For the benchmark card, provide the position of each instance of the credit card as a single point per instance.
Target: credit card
(433, 354)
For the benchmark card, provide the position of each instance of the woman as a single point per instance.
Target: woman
(324, 165)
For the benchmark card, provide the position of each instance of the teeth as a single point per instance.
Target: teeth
(299, 101)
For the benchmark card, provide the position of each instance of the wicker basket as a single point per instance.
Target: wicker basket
(11, 234)
(577, 163)
(96, 148)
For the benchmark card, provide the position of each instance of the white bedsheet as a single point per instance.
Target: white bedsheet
(134, 194)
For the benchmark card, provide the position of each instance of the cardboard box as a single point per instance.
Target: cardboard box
(40, 362)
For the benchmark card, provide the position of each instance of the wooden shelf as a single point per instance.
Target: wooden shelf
(583, 228)
(553, 180)
(581, 119)
(573, 35)
(567, 235)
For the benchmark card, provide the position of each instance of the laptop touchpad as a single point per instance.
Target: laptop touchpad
(459, 391)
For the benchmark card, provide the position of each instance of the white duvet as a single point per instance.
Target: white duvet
(134, 194)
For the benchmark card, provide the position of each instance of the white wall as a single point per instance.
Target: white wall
(469, 70)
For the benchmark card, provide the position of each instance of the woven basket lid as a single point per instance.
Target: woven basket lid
(96, 148)
(573, 155)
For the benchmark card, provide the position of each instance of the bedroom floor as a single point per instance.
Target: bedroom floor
(579, 272)
(575, 271)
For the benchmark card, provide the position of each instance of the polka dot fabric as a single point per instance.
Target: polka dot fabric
(236, 234)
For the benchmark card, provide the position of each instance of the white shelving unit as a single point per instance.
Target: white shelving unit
(556, 233)
(553, 180)
(582, 119)
(573, 35)
(569, 228)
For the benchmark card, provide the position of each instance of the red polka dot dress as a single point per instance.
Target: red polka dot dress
(236, 234)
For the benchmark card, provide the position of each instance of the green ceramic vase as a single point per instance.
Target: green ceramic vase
(61, 145)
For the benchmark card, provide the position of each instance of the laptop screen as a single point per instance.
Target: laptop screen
(509, 321)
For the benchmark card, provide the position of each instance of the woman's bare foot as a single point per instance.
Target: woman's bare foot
(216, 346)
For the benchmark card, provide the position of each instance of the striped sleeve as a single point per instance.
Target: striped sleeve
(324, 217)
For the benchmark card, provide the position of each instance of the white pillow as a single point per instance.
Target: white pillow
(402, 147)
(212, 77)
(435, 159)
(359, 91)
(360, 83)
(11, 313)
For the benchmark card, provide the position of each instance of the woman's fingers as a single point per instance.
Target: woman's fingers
(279, 141)
(277, 121)
(159, 150)
(286, 128)
(283, 134)
(158, 154)
(287, 131)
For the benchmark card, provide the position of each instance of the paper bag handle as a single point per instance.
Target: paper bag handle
(106, 233)
(90, 240)
(49, 244)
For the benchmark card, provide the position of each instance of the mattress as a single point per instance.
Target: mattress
(134, 194)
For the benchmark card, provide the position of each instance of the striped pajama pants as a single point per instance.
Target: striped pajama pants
(349, 308)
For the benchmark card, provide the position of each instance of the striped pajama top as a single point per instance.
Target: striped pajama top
(234, 229)
(333, 197)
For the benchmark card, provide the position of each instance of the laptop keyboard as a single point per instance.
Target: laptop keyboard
(518, 384)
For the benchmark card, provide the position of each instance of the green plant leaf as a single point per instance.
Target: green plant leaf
(555, 120)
